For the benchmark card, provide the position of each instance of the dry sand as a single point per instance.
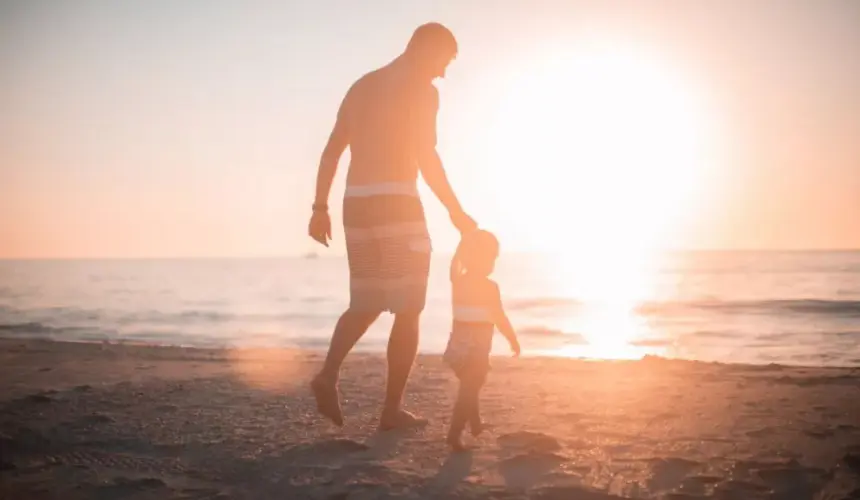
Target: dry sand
(134, 422)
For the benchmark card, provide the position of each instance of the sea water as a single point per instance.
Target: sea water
(751, 307)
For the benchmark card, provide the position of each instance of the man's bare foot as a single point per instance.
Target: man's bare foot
(328, 399)
(400, 420)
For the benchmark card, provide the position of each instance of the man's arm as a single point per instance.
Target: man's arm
(434, 175)
(337, 142)
(428, 158)
(319, 227)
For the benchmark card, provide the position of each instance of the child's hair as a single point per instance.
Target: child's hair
(477, 249)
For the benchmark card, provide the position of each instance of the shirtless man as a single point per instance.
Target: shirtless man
(388, 119)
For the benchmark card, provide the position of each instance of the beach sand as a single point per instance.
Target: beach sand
(137, 422)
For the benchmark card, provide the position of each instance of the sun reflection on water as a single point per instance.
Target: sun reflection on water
(611, 288)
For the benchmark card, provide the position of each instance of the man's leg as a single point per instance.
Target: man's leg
(349, 329)
(402, 348)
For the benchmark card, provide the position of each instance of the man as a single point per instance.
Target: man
(388, 119)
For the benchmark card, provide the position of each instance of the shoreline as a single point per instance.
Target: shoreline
(358, 350)
(108, 420)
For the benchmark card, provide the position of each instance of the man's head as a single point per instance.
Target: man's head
(432, 48)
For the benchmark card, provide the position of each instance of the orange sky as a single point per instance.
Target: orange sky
(157, 129)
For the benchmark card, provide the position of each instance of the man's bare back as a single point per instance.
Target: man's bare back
(391, 116)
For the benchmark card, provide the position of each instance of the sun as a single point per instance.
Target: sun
(598, 152)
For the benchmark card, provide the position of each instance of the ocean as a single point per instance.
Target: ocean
(796, 308)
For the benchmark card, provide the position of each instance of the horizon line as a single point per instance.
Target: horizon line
(322, 255)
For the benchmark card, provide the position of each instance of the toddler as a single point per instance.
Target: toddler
(477, 312)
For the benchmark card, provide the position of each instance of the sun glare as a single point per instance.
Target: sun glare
(598, 153)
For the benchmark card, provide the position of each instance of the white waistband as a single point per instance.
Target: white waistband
(417, 229)
(471, 314)
(364, 190)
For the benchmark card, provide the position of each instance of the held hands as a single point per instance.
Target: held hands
(319, 227)
(463, 222)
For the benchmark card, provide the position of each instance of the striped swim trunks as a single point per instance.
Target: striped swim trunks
(388, 247)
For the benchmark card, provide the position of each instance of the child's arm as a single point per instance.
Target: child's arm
(503, 324)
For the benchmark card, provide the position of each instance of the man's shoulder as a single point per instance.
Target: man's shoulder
(370, 76)
(392, 76)
(389, 84)
(369, 85)
(363, 81)
(377, 76)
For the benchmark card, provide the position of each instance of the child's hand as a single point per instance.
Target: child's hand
(515, 346)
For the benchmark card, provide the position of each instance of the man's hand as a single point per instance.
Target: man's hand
(319, 227)
(463, 222)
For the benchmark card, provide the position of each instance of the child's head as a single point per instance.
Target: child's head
(476, 254)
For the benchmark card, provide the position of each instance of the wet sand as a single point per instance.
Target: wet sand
(137, 422)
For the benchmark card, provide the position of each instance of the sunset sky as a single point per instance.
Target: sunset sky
(157, 128)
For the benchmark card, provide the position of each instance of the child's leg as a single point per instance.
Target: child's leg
(460, 417)
(475, 422)
(464, 409)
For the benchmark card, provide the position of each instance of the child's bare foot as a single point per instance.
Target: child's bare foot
(457, 445)
(478, 426)
(478, 429)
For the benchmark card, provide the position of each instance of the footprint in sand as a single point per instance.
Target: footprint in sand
(39, 397)
(535, 455)
(526, 469)
(528, 440)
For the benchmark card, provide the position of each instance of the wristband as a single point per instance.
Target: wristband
(319, 208)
